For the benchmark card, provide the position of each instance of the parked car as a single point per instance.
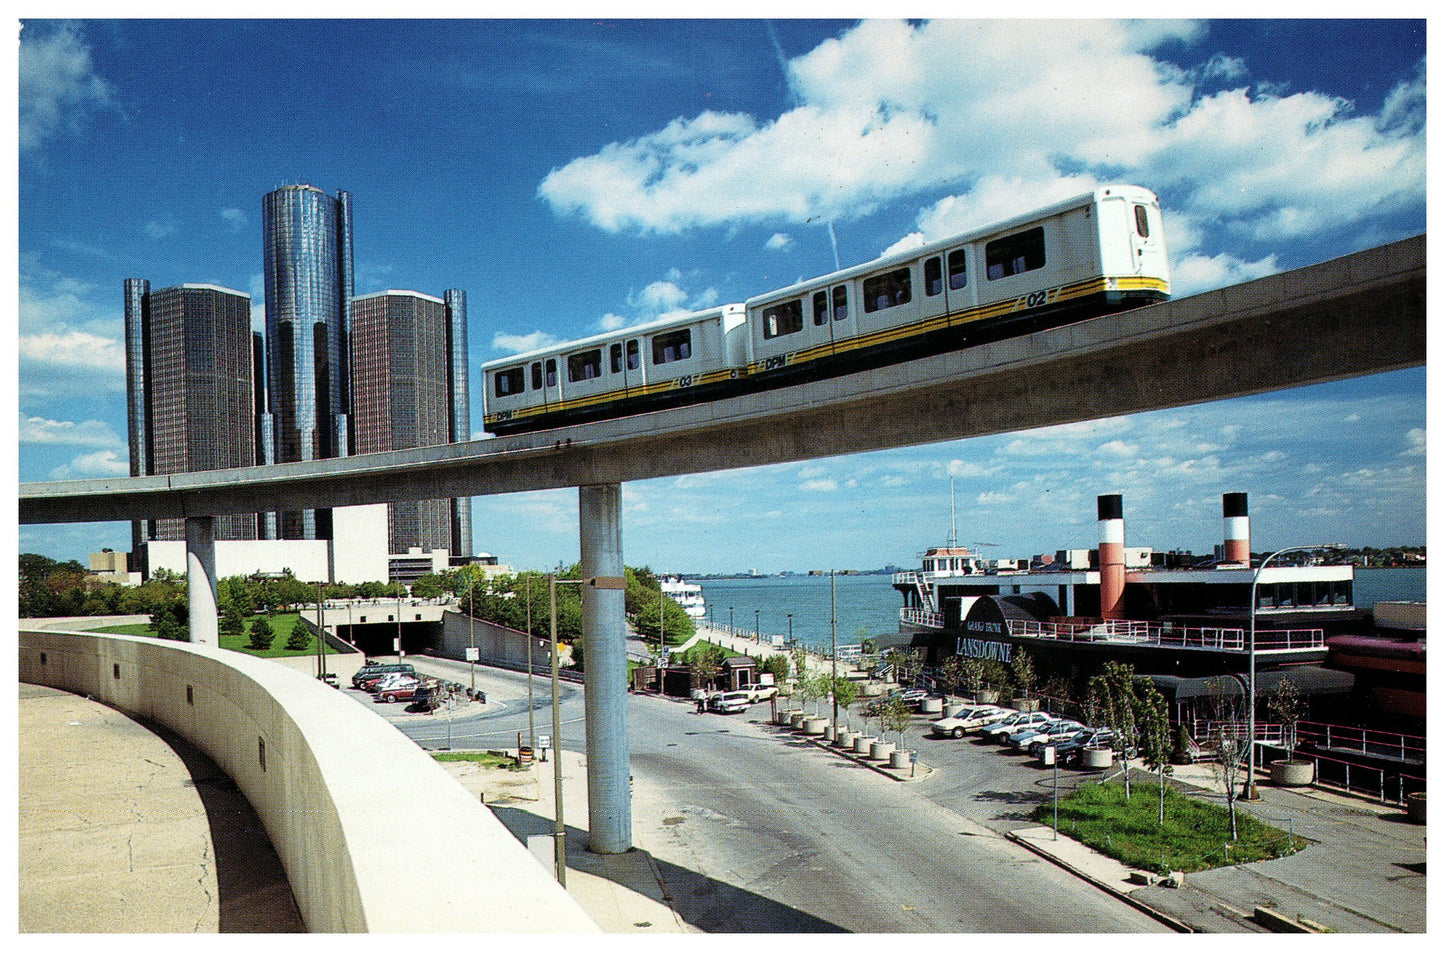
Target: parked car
(1071, 752)
(401, 693)
(1000, 730)
(373, 671)
(729, 702)
(1080, 736)
(970, 717)
(913, 696)
(758, 692)
(1061, 730)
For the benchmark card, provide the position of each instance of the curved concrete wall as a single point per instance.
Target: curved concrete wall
(374, 834)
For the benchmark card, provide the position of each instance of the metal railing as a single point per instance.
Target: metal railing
(1148, 632)
(920, 618)
(1382, 744)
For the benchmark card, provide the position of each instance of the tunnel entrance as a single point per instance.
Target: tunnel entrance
(378, 640)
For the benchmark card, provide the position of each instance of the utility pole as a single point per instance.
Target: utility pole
(833, 585)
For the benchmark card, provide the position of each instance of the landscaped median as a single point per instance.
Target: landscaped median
(1194, 835)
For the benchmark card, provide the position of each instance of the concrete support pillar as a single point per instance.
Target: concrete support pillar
(604, 632)
(201, 579)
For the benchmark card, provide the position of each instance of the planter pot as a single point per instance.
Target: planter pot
(880, 750)
(814, 725)
(864, 744)
(987, 696)
(870, 689)
(1025, 704)
(845, 740)
(1415, 806)
(795, 719)
(931, 705)
(898, 760)
(1099, 757)
(1292, 773)
(830, 733)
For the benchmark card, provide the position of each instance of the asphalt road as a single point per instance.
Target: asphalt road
(755, 830)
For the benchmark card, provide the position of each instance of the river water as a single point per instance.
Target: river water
(867, 604)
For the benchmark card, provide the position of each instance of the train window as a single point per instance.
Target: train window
(1015, 254)
(840, 303)
(510, 381)
(1141, 220)
(634, 356)
(887, 290)
(537, 376)
(779, 320)
(551, 373)
(933, 276)
(957, 270)
(616, 355)
(820, 308)
(669, 347)
(585, 365)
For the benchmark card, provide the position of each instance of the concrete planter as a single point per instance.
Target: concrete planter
(988, 696)
(814, 725)
(845, 739)
(1287, 773)
(1415, 806)
(870, 689)
(1099, 757)
(931, 705)
(880, 750)
(898, 760)
(795, 719)
(864, 744)
(830, 734)
(1025, 704)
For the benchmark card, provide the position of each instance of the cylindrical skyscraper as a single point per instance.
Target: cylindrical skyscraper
(308, 270)
(461, 410)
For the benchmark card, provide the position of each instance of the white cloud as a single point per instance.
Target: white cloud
(779, 242)
(42, 430)
(58, 85)
(611, 322)
(235, 218)
(70, 363)
(822, 485)
(164, 227)
(104, 463)
(889, 109)
(505, 343)
(1415, 439)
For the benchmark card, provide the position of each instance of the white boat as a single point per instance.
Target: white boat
(688, 596)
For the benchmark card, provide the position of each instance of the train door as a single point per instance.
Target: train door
(1147, 242)
(625, 360)
(955, 284)
(935, 291)
(831, 310)
(543, 375)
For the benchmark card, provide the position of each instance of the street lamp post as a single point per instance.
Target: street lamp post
(1250, 792)
(790, 632)
(833, 586)
(559, 831)
(757, 627)
(730, 622)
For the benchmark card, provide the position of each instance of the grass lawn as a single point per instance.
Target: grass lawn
(484, 758)
(1195, 834)
(281, 625)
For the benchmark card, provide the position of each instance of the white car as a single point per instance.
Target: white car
(758, 692)
(728, 702)
(1062, 730)
(970, 717)
(1001, 730)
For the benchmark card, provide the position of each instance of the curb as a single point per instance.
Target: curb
(1153, 912)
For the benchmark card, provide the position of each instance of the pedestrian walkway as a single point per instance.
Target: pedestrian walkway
(124, 830)
(621, 892)
(1363, 872)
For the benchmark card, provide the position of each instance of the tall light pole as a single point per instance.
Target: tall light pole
(559, 831)
(531, 713)
(730, 622)
(1250, 793)
(757, 628)
(790, 631)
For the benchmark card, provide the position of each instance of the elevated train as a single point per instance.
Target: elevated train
(1087, 257)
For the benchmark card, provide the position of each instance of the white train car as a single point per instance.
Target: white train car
(1091, 255)
(1086, 257)
(677, 360)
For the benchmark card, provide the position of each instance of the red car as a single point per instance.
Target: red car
(401, 690)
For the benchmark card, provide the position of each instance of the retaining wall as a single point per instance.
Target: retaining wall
(373, 833)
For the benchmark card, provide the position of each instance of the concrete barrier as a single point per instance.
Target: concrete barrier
(373, 833)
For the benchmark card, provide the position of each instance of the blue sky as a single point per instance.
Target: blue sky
(580, 175)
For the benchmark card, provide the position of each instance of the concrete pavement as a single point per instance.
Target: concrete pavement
(124, 830)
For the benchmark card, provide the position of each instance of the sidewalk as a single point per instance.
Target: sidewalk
(621, 892)
(1364, 871)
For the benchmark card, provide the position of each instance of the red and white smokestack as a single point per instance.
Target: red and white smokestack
(1111, 556)
(1236, 528)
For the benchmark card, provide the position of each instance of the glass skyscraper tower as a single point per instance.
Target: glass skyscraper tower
(309, 283)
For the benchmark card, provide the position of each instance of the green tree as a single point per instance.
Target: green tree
(1155, 742)
(1023, 672)
(300, 637)
(261, 635)
(894, 716)
(777, 665)
(705, 659)
(953, 673)
(1113, 699)
(974, 669)
(1286, 704)
(845, 692)
(232, 622)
